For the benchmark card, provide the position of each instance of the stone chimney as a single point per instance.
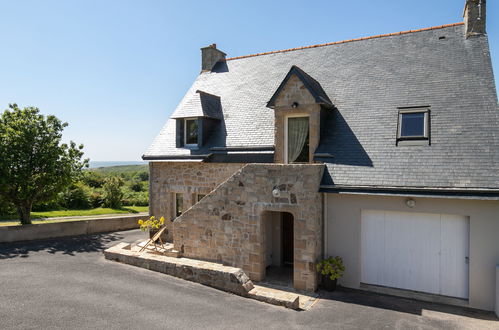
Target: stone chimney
(474, 17)
(210, 56)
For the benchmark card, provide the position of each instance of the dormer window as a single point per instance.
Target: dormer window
(197, 117)
(191, 132)
(413, 125)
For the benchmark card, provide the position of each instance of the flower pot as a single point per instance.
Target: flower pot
(328, 284)
(152, 232)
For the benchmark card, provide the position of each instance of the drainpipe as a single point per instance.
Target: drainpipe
(324, 217)
(497, 290)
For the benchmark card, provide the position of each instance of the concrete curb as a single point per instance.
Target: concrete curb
(9, 234)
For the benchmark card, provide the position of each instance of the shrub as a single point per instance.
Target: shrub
(48, 206)
(96, 199)
(137, 186)
(76, 197)
(6, 207)
(93, 180)
(136, 199)
(143, 176)
(113, 193)
(331, 266)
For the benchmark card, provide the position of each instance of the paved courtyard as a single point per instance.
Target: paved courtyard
(67, 284)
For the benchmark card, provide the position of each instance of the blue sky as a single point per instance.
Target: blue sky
(115, 69)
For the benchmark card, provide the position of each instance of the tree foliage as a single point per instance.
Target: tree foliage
(34, 165)
(113, 193)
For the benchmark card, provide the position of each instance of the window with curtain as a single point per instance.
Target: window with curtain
(298, 140)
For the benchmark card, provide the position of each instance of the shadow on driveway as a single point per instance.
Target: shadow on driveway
(65, 245)
(403, 305)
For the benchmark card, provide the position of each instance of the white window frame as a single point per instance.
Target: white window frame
(295, 115)
(185, 132)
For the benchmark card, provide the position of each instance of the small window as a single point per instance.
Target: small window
(179, 204)
(200, 197)
(413, 124)
(191, 132)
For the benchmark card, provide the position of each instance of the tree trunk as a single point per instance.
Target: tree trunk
(24, 212)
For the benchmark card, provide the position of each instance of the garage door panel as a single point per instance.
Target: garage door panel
(372, 236)
(415, 251)
(411, 263)
(454, 267)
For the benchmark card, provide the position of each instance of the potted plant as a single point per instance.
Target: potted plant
(331, 269)
(152, 224)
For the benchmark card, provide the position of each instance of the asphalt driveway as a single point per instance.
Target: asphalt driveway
(67, 284)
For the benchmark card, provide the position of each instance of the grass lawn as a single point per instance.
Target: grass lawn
(9, 220)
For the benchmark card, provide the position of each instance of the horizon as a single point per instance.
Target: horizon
(116, 70)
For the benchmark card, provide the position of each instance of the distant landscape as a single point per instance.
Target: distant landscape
(87, 197)
(96, 163)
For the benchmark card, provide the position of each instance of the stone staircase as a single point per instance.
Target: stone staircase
(226, 225)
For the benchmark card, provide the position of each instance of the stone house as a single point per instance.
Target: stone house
(383, 150)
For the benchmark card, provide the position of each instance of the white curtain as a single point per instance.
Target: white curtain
(297, 135)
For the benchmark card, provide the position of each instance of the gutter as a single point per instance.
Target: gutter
(178, 157)
(465, 193)
(241, 148)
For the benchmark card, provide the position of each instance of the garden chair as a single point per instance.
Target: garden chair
(154, 239)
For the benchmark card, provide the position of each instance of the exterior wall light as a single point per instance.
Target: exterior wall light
(276, 193)
(410, 203)
(294, 105)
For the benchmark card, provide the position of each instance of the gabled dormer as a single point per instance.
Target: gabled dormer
(300, 105)
(196, 118)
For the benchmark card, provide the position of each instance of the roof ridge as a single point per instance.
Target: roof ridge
(345, 41)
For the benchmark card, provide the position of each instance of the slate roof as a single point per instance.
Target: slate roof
(367, 80)
(199, 104)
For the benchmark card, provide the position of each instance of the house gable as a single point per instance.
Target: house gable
(298, 87)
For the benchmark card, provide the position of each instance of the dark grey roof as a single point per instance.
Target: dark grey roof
(367, 81)
(199, 104)
(310, 83)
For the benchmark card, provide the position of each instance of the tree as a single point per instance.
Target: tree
(34, 165)
(113, 193)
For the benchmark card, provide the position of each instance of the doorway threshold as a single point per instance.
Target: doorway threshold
(416, 295)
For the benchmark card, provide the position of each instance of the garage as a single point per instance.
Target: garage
(422, 252)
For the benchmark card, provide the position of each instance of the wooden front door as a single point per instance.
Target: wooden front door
(287, 239)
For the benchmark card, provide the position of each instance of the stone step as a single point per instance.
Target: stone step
(172, 253)
(275, 297)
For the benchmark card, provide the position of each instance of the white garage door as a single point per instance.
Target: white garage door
(416, 251)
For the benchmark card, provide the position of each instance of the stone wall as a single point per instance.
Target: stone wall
(10, 234)
(227, 225)
(190, 179)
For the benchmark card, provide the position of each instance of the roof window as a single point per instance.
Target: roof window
(413, 126)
